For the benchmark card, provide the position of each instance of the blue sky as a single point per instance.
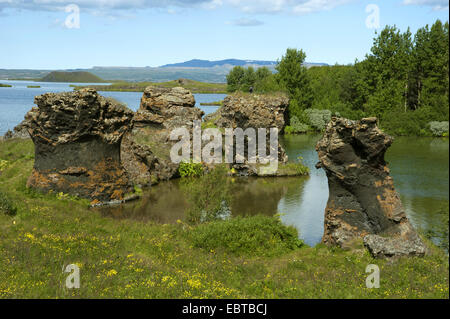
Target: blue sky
(34, 33)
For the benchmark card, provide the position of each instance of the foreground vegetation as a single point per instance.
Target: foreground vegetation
(404, 81)
(251, 257)
(191, 85)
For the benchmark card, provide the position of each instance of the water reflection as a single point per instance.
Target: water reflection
(419, 167)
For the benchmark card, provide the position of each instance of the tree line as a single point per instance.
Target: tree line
(403, 81)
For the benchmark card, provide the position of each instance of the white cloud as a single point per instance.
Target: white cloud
(56, 5)
(247, 6)
(245, 22)
(434, 4)
(317, 5)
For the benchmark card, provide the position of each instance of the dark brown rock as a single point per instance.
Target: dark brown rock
(253, 111)
(77, 138)
(146, 149)
(362, 199)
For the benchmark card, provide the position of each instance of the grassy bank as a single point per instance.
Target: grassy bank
(191, 85)
(249, 257)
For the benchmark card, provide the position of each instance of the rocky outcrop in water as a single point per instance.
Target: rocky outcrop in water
(146, 149)
(77, 137)
(362, 200)
(253, 111)
(20, 131)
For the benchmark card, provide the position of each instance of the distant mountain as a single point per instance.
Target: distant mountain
(198, 70)
(74, 76)
(196, 63)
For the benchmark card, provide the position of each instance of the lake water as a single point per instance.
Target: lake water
(419, 166)
(17, 100)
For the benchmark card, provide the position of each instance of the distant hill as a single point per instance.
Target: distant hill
(74, 76)
(196, 63)
(197, 70)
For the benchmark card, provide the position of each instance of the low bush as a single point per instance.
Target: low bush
(190, 169)
(208, 196)
(439, 128)
(318, 119)
(6, 205)
(296, 126)
(256, 235)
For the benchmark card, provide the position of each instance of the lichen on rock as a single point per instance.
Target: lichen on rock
(362, 200)
(253, 111)
(146, 149)
(77, 138)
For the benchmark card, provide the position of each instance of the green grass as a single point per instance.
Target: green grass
(292, 169)
(191, 85)
(5, 85)
(131, 259)
(256, 235)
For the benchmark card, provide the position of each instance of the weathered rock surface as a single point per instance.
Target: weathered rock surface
(77, 137)
(253, 111)
(20, 131)
(146, 149)
(362, 200)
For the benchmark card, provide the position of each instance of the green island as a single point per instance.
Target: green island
(5, 85)
(72, 76)
(257, 257)
(216, 103)
(33, 86)
(191, 85)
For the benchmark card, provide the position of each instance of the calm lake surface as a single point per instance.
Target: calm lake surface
(419, 166)
(17, 100)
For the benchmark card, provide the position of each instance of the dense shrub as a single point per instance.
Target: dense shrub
(318, 119)
(6, 205)
(409, 123)
(190, 169)
(439, 128)
(296, 126)
(208, 195)
(256, 235)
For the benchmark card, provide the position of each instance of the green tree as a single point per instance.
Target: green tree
(235, 79)
(292, 75)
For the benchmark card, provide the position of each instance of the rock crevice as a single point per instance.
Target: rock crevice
(146, 148)
(362, 200)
